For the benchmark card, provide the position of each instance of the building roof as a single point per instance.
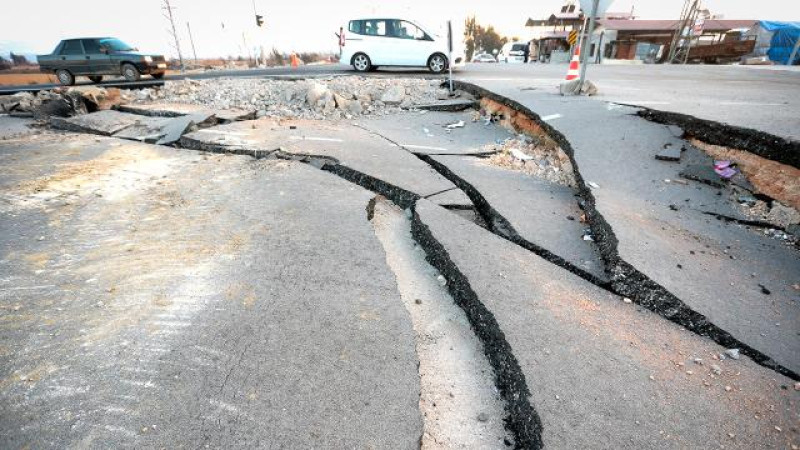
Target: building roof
(672, 25)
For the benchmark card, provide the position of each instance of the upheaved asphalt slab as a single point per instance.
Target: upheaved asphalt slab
(427, 133)
(350, 145)
(536, 208)
(713, 266)
(604, 374)
(181, 109)
(155, 297)
(136, 127)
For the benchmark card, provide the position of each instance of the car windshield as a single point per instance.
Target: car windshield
(518, 47)
(115, 45)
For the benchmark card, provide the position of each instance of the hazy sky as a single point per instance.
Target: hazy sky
(36, 26)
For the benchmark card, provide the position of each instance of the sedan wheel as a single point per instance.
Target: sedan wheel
(362, 63)
(437, 64)
(65, 77)
(130, 72)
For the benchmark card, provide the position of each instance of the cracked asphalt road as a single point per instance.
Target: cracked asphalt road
(232, 291)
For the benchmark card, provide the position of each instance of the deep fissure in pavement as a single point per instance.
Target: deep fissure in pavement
(757, 142)
(626, 280)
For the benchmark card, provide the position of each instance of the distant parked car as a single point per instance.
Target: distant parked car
(484, 58)
(513, 52)
(371, 43)
(95, 57)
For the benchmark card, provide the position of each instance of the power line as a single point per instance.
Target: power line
(191, 39)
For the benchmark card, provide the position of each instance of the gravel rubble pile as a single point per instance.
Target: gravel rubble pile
(529, 156)
(332, 98)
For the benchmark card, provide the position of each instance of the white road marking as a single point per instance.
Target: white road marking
(424, 147)
(28, 288)
(120, 430)
(644, 102)
(227, 133)
(306, 138)
(171, 323)
(145, 384)
(494, 79)
(552, 117)
(749, 104)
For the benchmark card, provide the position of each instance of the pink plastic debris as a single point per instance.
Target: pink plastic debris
(724, 169)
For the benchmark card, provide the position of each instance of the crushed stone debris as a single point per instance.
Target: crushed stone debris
(530, 156)
(323, 98)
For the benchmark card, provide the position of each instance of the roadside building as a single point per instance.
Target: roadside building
(649, 40)
(549, 36)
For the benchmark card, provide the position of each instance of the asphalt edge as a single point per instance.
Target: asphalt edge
(523, 421)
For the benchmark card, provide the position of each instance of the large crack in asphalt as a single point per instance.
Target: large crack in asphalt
(458, 400)
(625, 279)
(522, 421)
(757, 142)
(496, 222)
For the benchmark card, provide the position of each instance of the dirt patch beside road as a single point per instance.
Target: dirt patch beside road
(15, 79)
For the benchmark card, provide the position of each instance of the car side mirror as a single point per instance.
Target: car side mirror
(103, 50)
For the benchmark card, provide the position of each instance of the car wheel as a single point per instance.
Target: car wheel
(157, 76)
(130, 72)
(362, 63)
(65, 77)
(437, 63)
(95, 78)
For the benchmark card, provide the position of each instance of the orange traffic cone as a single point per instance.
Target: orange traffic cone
(574, 65)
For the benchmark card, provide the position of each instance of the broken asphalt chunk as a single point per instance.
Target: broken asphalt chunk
(704, 174)
(669, 153)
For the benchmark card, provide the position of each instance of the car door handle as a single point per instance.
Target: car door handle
(63, 58)
(87, 57)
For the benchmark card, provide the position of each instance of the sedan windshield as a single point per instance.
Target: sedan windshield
(115, 45)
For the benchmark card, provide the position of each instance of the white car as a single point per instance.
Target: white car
(484, 58)
(370, 43)
(513, 52)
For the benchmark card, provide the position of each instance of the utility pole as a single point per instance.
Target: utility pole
(682, 39)
(174, 32)
(191, 39)
(249, 51)
(587, 42)
(790, 61)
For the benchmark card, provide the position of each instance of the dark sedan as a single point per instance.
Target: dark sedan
(96, 57)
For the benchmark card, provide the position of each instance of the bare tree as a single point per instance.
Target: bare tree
(4, 63)
(174, 32)
(19, 60)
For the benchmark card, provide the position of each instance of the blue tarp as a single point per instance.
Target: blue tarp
(784, 38)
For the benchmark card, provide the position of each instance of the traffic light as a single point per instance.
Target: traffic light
(259, 20)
